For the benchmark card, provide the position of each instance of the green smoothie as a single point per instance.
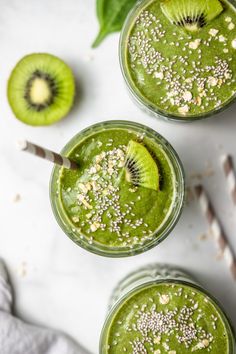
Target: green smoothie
(161, 309)
(167, 318)
(100, 207)
(102, 204)
(175, 72)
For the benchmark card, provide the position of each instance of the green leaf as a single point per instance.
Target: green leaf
(111, 16)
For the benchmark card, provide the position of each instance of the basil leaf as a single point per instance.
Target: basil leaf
(111, 16)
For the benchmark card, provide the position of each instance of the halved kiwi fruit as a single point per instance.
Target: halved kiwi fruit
(140, 168)
(41, 89)
(192, 15)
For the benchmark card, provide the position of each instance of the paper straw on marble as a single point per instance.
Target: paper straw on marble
(217, 229)
(46, 154)
(230, 175)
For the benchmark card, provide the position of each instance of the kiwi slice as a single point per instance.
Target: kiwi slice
(192, 15)
(140, 168)
(41, 89)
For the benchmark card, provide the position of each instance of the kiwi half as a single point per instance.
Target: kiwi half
(192, 15)
(41, 89)
(140, 168)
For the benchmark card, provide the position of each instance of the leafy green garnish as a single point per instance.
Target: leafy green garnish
(111, 16)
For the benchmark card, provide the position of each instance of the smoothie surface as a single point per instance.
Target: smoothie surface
(179, 72)
(167, 319)
(99, 204)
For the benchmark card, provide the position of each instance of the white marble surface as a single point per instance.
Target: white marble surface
(57, 284)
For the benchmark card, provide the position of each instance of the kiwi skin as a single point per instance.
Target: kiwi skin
(17, 86)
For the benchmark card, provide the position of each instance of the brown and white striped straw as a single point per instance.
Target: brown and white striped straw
(217, 229)
(47, 154)
(230, 175)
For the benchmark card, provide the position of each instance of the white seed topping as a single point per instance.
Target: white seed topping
(159, 75)
(95, 226)
(183, 109)
(165, 346)
(164, 299)
(83, 188)
(234, 43)
(198, 100)
(205, 342)
(222, 38)
(92, 170)
(157, 340)
(201, 345)
(213, 32)
(195, 44)
(212, 81)
(187, 96)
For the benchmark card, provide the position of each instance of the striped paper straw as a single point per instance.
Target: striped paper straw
(47, 155)
(216, 229)
(230, 176)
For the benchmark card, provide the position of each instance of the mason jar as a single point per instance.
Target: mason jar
(172, 215)
(128, 291)
(146, 103)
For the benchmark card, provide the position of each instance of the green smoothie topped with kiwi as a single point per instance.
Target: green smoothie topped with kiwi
(127, 193)
(179, 57)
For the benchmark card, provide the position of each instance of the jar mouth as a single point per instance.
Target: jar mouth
(118, 305)
(161, 233)
(140, 99)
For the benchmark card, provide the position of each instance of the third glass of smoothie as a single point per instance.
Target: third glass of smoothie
(127, 194)
(161, 309)
(178, 58)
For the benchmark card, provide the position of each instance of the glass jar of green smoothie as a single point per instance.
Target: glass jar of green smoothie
(179, 59)
(127, 194)
(161, 309)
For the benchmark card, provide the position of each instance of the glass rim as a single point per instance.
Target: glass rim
(118, 305)
(167, 226)
(133, 90)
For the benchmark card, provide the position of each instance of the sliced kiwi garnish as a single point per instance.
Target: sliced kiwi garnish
(192, 15)
(41, 89)
(140, 168)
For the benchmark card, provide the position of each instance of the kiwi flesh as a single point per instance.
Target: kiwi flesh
(140, 168)
(41, 89)
(191, 15)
